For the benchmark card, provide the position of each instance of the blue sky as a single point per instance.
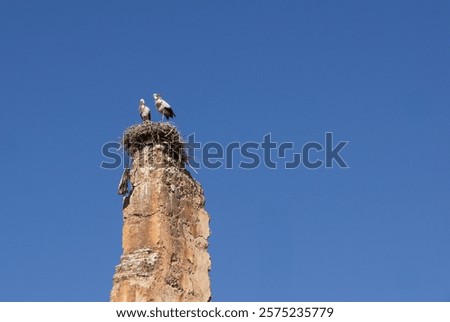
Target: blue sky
(376, 74)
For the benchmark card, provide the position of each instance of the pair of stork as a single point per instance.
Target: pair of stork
(161, 105)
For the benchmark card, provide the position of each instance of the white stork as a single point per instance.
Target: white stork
(144, 111)
(163, 107)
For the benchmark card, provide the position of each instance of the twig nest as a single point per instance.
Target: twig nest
(160, 136)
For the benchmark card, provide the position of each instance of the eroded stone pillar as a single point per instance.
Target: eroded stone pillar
(166, 228)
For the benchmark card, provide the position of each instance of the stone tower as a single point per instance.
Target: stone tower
(165, 228)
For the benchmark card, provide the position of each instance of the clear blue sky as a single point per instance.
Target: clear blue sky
(375, 73)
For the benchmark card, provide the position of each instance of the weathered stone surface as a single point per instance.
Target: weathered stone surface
(165, 234)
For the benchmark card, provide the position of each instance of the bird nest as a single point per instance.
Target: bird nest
(151, 134)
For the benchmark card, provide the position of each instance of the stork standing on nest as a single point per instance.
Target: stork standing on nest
(144, 111)
(163, 107)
